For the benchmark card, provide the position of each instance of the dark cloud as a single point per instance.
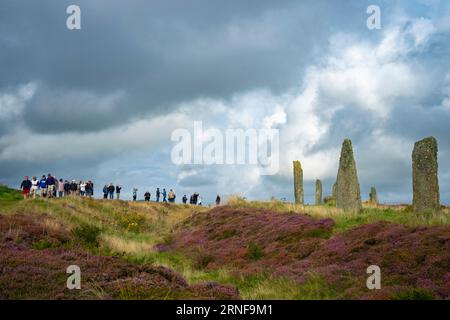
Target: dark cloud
(158, 53)
(139, 59)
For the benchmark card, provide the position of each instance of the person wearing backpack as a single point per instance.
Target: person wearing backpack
(171, 196)
(147, 196)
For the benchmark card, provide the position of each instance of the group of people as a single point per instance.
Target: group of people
(166, 197)
(50, 187)
(108, 191)
(170, 197)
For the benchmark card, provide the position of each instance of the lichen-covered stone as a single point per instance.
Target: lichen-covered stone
(348, 194)
(318, 192)
(425, 175)
(373, 195)
(298, 183)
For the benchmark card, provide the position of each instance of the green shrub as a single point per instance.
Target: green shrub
(414, 294)
(43, 244)
(254, 251)
(88, 234)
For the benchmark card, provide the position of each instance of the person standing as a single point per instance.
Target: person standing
(73, 188)
(43, 187)
(199, 200)
(184, 199)
(118, 188)
(61, 188)
(66, 188)
(89, 189)
(105, 192)
(26, 187)
(82, 188)
(34, 187)
(158, 194)
(111, 191)
(195, 197)
(164, 194)
(135, 190)
(50, 186)
(171, 196)
(218, 200)
(147, 196)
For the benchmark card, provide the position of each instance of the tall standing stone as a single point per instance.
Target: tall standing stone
(373, 195)
(425, 175)
(318, 192)
(348, 194)
(298, 183)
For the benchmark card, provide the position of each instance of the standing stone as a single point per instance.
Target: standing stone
(425, 175)
(348, 194)
(373, 195)
(318, 192)
(298, 183)
(333, 192)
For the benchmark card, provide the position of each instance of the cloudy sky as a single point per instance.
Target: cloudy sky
(102, 102)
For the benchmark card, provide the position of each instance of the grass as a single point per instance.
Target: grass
(9, 197)
(132, 229)
(349, 220)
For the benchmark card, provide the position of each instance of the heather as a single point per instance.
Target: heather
(38, 272)
(402, 214)
(266, 250)
(304, 250)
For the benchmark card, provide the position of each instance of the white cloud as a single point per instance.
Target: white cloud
(140, 135)
(13, 103)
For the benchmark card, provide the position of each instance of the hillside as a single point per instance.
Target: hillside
(249, 250)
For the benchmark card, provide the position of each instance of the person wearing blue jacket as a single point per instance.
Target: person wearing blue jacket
(43, 186)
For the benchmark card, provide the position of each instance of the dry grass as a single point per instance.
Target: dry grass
(121, 245)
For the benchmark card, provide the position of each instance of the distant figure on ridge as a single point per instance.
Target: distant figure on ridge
(118, 188)
(105, 191)
(111, 189)
(184, 199)
(158, 194)
(135, 190)
(147, 196)
(164, 194)
(218, 200)
(171, 196)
